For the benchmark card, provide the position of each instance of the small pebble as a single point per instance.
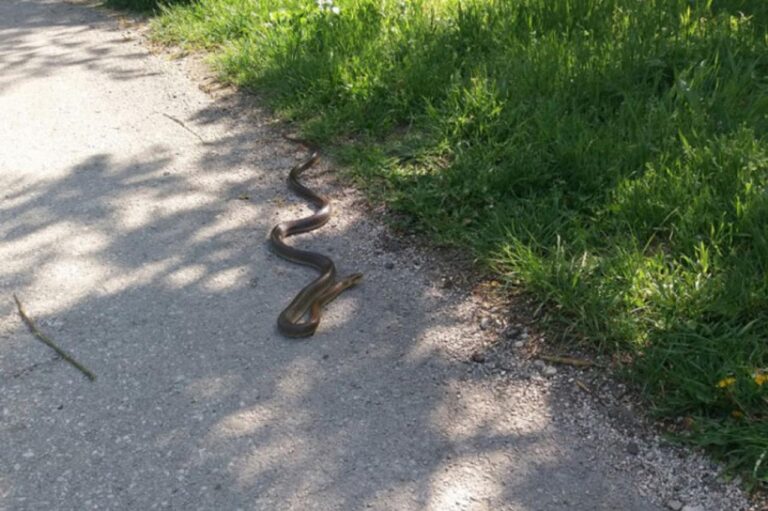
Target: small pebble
(389, 265)
(478, 357)
(675, 505)
(486, 323)
(519, 344)
(693, 508)
(549, 371)
(539, 364)
(633, 448)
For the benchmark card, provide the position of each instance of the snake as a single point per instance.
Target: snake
(327, 286)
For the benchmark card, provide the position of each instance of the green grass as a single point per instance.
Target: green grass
(610, 156)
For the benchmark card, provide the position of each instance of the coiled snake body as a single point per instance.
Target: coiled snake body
(324, 288)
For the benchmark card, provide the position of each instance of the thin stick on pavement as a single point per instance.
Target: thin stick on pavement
(47, 340)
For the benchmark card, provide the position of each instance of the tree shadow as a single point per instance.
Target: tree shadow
(22, 59)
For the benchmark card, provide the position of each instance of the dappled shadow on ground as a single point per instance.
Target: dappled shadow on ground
(22, 59)
(198, 401)
(149, 262)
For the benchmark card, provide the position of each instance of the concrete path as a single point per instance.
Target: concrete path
(141, 248)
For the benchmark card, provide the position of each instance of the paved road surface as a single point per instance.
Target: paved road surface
(126, 238)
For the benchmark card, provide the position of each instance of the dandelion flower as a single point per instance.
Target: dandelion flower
(726, 382)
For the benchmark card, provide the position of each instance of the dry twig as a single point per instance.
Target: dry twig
(184, 125)
(583, 386)
(571, 361)
(44, 338)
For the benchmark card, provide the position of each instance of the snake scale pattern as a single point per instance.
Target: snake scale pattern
(327, 286)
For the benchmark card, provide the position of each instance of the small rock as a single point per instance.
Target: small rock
(447, 283)
(633, 448)
(389, 265)
(254, 282)
(675, 505)
(549, 371)
(478, 357)
(513, 332)
(539, 364)
(519, 344)
(689, 507)
(486, 323)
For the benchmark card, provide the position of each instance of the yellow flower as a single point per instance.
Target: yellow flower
(736, 414)
(726, 382)
(760, 378)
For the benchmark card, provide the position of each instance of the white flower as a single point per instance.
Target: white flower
(327, 5)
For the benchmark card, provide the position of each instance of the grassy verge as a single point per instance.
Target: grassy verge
(609, 155)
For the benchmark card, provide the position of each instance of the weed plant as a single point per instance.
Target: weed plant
(610, 156)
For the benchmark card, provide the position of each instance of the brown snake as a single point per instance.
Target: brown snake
(324, 288)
